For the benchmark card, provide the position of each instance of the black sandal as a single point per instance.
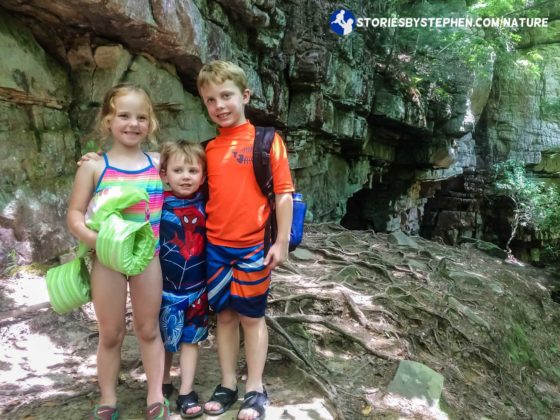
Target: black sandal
(184, 402)
(224, 396)
(257, 401)
(167, 390)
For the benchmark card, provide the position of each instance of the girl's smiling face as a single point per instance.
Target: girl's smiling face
(130, 123)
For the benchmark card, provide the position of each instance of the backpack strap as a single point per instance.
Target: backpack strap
(264, 137)
(205, 143)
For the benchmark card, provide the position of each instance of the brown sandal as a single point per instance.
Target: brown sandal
(104, 412)
(157, 411)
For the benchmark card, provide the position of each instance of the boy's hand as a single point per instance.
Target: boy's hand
(88, 156)
(277, 254)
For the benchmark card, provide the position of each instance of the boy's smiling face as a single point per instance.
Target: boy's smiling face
(225, 103)
(184, 178)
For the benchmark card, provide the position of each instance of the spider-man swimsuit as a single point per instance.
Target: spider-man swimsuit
(184, 308)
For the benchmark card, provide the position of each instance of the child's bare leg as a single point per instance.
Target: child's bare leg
(189, 360)
(256, 347)
(108, 289)
(167, 367)
(227, 338)
(145, 294)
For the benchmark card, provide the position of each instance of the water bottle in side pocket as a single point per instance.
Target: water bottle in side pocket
(299, 209)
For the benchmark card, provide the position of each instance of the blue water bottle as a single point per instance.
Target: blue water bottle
(299, 209)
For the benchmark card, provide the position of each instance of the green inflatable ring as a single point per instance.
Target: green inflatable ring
(68, 286)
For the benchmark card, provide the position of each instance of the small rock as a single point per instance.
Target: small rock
(402, 239)
(302, 254)
(418, 381)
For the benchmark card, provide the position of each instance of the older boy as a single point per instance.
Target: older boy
(237, 212)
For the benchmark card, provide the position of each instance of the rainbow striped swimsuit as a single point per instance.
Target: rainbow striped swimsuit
(147, 179)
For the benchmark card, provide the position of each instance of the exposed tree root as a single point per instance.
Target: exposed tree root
(278, 328)
(315, 319)
(299, 297)
(377, 267)
(359, 315)
(330, 255)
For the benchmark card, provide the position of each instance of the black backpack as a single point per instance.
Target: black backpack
(264, 137)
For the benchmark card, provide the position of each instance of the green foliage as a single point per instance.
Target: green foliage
(550, 109)
(421, 57)
(520, 350)
(536, 204)
(11, 264)
(497, 8)
(90, 146)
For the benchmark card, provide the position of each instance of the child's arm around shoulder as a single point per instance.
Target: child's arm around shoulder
(89, 156)
(82, 191)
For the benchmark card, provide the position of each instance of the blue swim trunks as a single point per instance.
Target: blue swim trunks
(183, 318)
(237, 279)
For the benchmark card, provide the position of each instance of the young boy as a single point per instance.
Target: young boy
(184, 309)
(238, 265)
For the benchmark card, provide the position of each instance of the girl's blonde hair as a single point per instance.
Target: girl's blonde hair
(218, 72)
(190, 151)
(107, 110)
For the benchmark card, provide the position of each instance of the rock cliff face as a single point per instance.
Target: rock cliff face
(366, 147)
(521, 121)
(522, 115)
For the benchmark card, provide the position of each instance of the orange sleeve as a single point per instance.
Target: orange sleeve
(280, 167)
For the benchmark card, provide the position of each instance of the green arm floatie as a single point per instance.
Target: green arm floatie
(126, 247)
(122, 245)
(68, 286)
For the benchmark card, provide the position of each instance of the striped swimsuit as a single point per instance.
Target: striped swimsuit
(147, 179)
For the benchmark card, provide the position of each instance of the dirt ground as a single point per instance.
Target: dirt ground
(344, 310)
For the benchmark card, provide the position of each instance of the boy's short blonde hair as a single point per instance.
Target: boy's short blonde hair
(191, 152)
(218, 72)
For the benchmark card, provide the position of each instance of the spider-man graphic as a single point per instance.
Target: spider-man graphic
(193, 223)
(197, 313)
